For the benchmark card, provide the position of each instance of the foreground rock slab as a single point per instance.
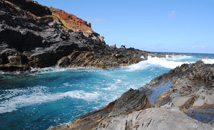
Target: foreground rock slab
(153, 119)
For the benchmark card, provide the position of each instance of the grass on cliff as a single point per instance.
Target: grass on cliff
(71, 24)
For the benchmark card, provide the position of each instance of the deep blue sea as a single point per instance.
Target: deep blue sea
(51, 96)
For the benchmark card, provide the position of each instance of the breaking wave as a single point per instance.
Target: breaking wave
(18, 98)
(208, 61)
(168, 62)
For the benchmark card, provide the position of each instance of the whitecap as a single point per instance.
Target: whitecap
(208, 61)
(168, 62)
(20, 98)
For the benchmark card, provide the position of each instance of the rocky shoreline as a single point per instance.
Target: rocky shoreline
(36, 36)
(180, 99)
(33, 35)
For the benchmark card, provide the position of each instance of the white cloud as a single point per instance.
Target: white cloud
(172, 14)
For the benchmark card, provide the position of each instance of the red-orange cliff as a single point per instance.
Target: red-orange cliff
(70, 21)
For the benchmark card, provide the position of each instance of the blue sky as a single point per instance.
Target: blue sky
(152, 25)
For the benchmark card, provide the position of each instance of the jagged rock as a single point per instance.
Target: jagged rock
(191, 88)
(132, 100)
(98, 59)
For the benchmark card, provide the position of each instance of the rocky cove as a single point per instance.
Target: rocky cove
(186, 94)
(36, 37)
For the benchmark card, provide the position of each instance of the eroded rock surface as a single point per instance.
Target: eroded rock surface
(153, 119)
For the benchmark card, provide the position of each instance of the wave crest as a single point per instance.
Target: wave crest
(168, 62)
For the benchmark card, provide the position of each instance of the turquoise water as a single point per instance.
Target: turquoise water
(52, 96)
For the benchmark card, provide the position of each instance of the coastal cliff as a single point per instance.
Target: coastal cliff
(33, 35)
(179, 99)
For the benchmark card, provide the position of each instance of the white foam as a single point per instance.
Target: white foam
(179, 57)
(168, 62)
(56, 69)
(208, 61)
(110, 87)
(38, 96)
(163, 62)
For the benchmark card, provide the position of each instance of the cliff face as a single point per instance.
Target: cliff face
(33, 35)
(170, 101)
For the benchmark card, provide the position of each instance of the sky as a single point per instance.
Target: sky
(151, 25)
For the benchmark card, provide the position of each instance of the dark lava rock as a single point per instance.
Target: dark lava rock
(45, 36)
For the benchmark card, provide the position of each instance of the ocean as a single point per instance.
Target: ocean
(47, 97)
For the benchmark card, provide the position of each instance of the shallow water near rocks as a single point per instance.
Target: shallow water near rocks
(52, 96)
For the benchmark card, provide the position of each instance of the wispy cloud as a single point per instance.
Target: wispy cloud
(172, 14)
(95, 20)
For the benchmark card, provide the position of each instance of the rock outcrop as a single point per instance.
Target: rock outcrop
(170, 101)
(191, 86)
(44, 36)
(191, 89)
